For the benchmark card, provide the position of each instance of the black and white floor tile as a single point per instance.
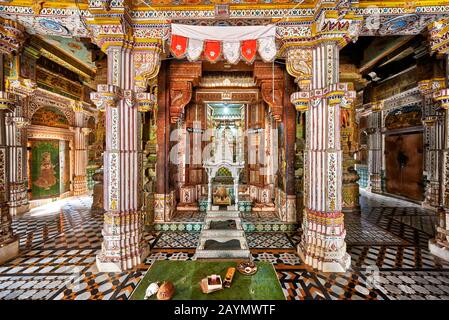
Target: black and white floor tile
(387, 243)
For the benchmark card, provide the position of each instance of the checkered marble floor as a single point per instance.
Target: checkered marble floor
(387, 243)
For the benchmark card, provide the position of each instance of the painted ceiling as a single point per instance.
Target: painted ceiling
(73, 48)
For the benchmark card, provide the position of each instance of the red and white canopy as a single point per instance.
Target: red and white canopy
(231, 42)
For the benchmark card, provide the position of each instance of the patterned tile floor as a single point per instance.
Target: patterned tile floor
(387, 244)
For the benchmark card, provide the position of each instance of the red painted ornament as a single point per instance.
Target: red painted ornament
(178, 46)
(212, 50)
(248, 50)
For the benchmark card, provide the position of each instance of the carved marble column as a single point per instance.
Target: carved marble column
(9, 243)
(322, 245)
(123, 247)
(375, 148)
(12, 39)
(433, 122)
(440, 245)
(80, 133)
(16, 139)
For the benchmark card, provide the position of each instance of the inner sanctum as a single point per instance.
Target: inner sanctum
(309, 137)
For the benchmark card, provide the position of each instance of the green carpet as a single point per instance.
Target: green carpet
(186, 277)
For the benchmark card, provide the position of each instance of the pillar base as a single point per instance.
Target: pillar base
(79, 185)
(9, 251)
(438, 250)
(116, 266)
(19, 210)
(355, 209)
(335, 266)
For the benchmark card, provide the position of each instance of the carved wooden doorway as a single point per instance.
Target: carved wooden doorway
(404, 165)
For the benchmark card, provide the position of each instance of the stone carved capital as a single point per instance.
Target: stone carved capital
(7, 101)
(145, 101)
(439, 36)
(106, 96)
(340, 94)
(430, 86)
(442, 96)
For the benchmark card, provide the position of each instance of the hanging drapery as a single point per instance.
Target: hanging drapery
(249, 50)
(194, 49)
(231, 42)
(212, 50)
(178, 46)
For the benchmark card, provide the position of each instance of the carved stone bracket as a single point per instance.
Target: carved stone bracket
(146, 66)
(106, 96)
(270, 78)
(183, 76)
(430, 86)
(442, 96)
(339, 93)
(180, 96)
(299, 66)
(273, 95)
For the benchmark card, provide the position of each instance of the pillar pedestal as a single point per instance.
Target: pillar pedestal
(9, 250)
(79, 185)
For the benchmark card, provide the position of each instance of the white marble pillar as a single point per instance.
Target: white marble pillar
(323, 240)
(123, 246)
(18, 174)
(433, 122)
(80, 167)
(439, 246)
(375, 148)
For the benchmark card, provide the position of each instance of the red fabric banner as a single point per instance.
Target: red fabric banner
(178, 46)
(248, 50)
(212, 50)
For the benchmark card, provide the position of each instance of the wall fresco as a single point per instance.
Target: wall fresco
(44, 165)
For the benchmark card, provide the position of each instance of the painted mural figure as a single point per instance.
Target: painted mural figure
(47, 177)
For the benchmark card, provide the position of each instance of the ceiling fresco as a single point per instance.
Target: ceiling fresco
(72, 47)
(293, 18)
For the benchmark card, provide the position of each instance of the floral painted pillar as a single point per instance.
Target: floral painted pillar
(375, 147)
(322, 245)
(16, 138)
(12, 39)
(439, 41)
(121, 99)
(80, 133)
(433, 122)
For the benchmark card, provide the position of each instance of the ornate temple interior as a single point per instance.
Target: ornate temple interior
(304, 139)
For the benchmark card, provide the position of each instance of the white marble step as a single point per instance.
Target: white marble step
(220, 233)
(223, 213)
(222, 254)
